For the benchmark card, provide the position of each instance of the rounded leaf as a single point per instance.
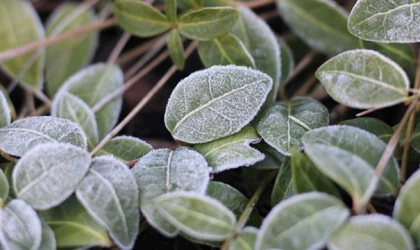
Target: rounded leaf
(287, 60)
(176, 49)
(5, 115)
(125, 148)
(375, 126)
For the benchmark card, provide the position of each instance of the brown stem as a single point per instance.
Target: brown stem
(137, 51)
(118, 48)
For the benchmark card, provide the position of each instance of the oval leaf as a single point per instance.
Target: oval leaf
(245, 240)
(375, 126)
(286, 58)
(176, 49)
(170, 10)
(5, 115)
(126, 148)
(48, 238)
(215, 103)
(402, 54)
(283, 186)
(57, 165)
(364, 79)
(9, 102)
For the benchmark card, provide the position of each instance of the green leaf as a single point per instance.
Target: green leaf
(215, 103)
(349, 155)
(163, 171)
(225, 50)
(140, 18)
(20, 227)
(245, 240)
(283, 186)
(233, 151)
(273, 158)
(216, 3)
(73, 227)
(371, 232)
(94, 83)
(402, 54)
(48, 241)
(20, 25)
(364, 79)
(170, 10)
(207, 23)
(58, 165)
(388, 22)
(196, 215)
(4, 188)
(109, 193)
(375, 126)
(287, 60)
(67, 57)
(415, 138)
(283, 125)
(24, 134)
(125, 148)
(305, 221)
(191, 4)
(9, 102)
(261, 43)
(5, 115)
(322, 24)
(176, 49)
(7, 169)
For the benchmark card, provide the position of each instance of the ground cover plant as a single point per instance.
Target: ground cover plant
(287, 124)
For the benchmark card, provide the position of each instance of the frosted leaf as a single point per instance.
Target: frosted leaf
(196, 215)
(273, 158)
(24, 134)
(232, 151)
(20, 227)
(10, 104)
(47, 175)
(109, 193)
(215, 103)
(245, 239)
(48, 239)
(126, 148)
(4, 187)
(261, 42)
(287, 59)
(364, 79)
(71, 107)
(400, 53)
(386, 21)
(375, 126)
(305, 221)
(5, 115)
(283, 125)
(283, 186)
(371, 232)
(163, 171)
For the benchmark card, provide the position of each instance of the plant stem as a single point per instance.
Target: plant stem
(118, 48)
(137, 51)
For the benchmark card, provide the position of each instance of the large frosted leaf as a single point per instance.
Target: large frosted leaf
(71, 107)
(215, 103)
(322, 24)
(126, 148)
(196, 215)
(4, 187)
(23, 135)
(225, 50)
(5, 115)
(20, 25)
(47, 175)
(364, 79)
(20, 227)
(94, 83)
(261, 43)
(232, 151)
(245, 239)
(74, 227)
(48, 241)
(371, 232)
(375, 126)
(69, 56)
(304, 221)
(283, 125)
(110, 195)
(388, 22)
(163, 171)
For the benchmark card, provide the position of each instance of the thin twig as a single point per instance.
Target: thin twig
(118, 48)
(366, 112)
(137, 51)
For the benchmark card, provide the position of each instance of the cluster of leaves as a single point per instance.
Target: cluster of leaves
(57, 195)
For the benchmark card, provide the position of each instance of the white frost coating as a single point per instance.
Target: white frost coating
(48, 174)
(24, 134)
(197, 215)
(163, 171)
(48, 241)
(126, 148)
(109, 194)
(216, 102)
(364, 79)
(20, 227)
(5, 115)
(4, 186)
(315, 217)
(371, 232)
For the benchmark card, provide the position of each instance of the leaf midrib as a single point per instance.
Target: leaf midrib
(388, 12)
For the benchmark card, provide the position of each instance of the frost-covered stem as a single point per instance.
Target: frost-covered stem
(118, 48)
(248, 209)
(143, 102)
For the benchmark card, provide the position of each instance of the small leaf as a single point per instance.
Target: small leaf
(304, 221)
(69, 56)
(388, 22)
(24, 134)
(207, 23)
(225, 50)
(283, 186)
(176, 49)
(20, 227)
(140, 18)
(163, 171)
(198, 216)
(126, 148)
(215, 103)
(273, 158)
(47, 175)
(5, 115)
(20, 25)
(286, 58)
(48, 238)
(4, 188)
(283, 125)
(364, 79)
(371, 232)
(232, 151)
(245, 240)
(109, 193)
(9, 102)
(73, 227)
(402, 54)
(170, 10)
(375, 126)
